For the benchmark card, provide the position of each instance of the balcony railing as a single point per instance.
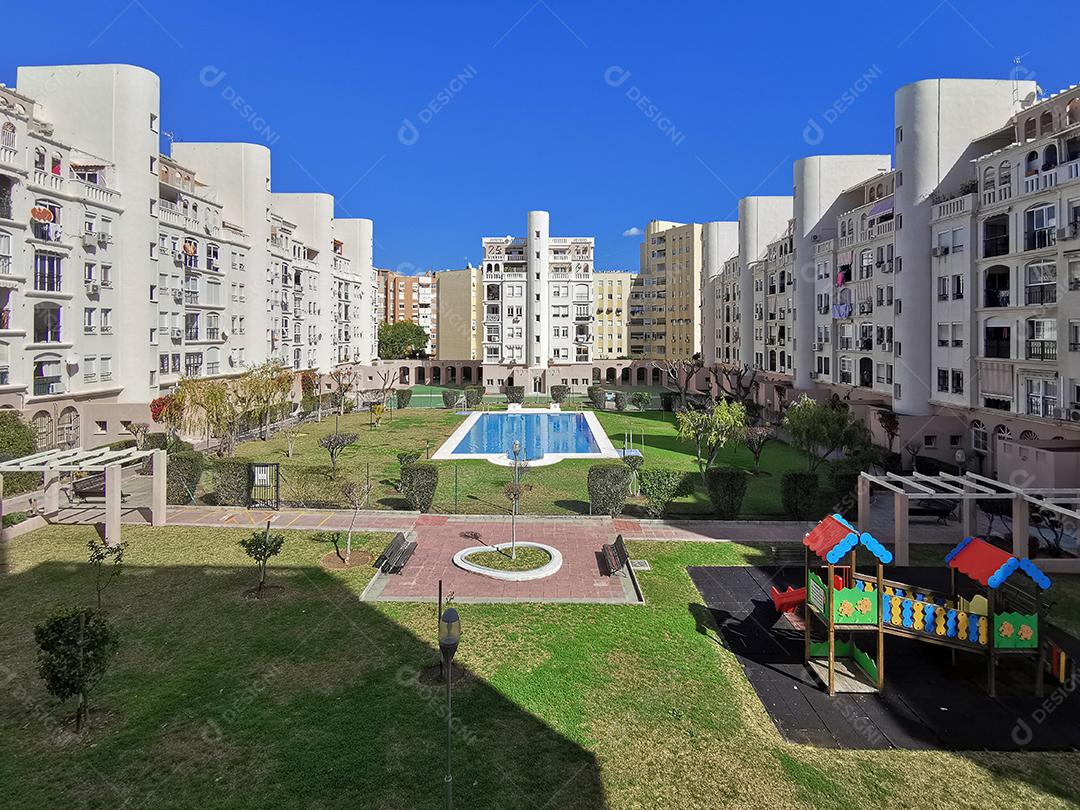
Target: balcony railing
(996, 298)
(1040, 238)
(1042, 350)
(995, 246)
(1000, 349)
(43, 386)
(1041, 294)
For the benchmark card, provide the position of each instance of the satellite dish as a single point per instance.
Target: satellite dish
(960, 456)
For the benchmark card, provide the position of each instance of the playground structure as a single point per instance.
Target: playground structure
(1001, 618)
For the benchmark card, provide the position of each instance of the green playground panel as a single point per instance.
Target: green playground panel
(815, 589)
(846, 649)
(1016, 631)
(854, 606)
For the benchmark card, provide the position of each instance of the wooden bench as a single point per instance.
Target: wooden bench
(932, 507)
(92, 486)
(396, 554)
(615, 556)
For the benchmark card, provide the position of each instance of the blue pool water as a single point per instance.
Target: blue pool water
(539, 434)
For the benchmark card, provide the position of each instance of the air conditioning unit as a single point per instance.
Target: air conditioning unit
(88, 238)
(177, 333)
(888, 266)
(1062, 233)
(92, 288)
(879, 263)
(944, 251)
(104, 238)
(1074, 415)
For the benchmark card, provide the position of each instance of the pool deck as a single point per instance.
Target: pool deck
(599, 437)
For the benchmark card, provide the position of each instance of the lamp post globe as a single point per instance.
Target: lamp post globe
(449, 636)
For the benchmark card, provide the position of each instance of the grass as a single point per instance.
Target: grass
(527, 559)
(312, 698)
(556, 489)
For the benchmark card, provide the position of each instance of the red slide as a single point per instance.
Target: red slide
(788, 601)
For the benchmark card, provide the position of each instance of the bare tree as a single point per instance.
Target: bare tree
(740, 382)
(357, 494)
(680, 373)
(345, 379)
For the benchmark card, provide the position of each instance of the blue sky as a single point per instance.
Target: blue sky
(605, 114)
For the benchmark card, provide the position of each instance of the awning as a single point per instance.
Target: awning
(844, 257)
(881, 207)
(9, 282)
(996, 379)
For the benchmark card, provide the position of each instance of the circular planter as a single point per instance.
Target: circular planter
(546, 570)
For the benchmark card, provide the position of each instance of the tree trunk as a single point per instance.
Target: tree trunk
(80, 712)
(262, 574)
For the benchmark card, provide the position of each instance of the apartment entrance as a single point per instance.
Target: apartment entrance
(866, 372)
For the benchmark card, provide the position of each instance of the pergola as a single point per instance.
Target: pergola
(109, 463)
(967, 490)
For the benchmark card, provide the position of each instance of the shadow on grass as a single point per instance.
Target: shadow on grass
(307, 697)
(575, 506)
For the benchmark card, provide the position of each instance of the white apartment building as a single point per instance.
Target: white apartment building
(123, 269)
(612, 290)
(537, 302)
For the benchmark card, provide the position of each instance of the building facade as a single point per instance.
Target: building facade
(611, 291)
(123, 269)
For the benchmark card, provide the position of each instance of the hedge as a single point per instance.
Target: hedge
(231, 482)
(122, 444)
(726, 487)
(184, 471)
(798, 494)
(560, 393)
(17, 439)
(403, 396)
(641, 400)
(450, 398)
(515, 393)
(418, 483)
(474, 395)
(660, 487)
(609, 486)
(597, 396)
(621, 399)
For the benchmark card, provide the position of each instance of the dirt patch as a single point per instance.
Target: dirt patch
(433, 676)
(357, 559)
(96, 724)
(267, 592)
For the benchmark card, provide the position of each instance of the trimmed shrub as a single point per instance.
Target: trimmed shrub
(308, 487)
(418, 483)
(515, 393)
(799, 493)
(597, 396)
(609, 486)
(308, 404)
(231, 482)
(474, 395)
(668, 400)
(407, 457)
(560, 393)
(660, 487)
(184, 471)
(160, 441)
(450, 398)
(403, 396)
(621, 400)
(348, 406)
(14, 518)
(641, 400)
(17, 439)
(122, 444)
(726, 487)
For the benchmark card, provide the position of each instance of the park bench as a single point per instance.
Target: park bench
(615, 556)
(92, 486)
(932, 507)
(396, 554)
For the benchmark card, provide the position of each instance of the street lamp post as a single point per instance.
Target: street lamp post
(449, 635)
(514, 502)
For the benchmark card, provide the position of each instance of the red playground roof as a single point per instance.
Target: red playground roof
(989, 565)
(824, 537)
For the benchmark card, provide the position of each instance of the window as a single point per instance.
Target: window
(106, 368)
(48, 272)
(957, 379)
(89, 324)
(46, 322)
(980, 440)
(1040, 223)
(46, 381)
(7, 135)
(929, 441)
(942, 380)
(106, 321)
(1042, 396)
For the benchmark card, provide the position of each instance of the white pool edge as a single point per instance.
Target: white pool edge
(600, 438)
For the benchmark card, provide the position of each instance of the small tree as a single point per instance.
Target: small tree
(641, 400)
(913, 449)
(138, 431)
(335, 539)
(356, 493)
(100, 552)
(345, 379)
(291, 434)
(74, 650)
(334, 444)
(261, 546)
(890, 425)
(818, 429)
(401, 339)
(711, 429)
(755, 440)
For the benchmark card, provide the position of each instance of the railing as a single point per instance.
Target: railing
(1041, 294)
(996, 298)
(48, 180)
(9, 156)
(957, 205)
(43, 386)
(1042, 350)
(100, 194)
(846, 241)
(999, 349)
(191, 297)
(1040, 238)
(995, 246)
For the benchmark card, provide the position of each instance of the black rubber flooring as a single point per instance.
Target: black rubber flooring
(927, 703)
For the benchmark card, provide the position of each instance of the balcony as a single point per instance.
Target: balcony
(995, 246)
(48, 180)
(1041, 294)
(44, 386)
(1040, 238)
(191, 297)
(998, 349)
(1041, 349)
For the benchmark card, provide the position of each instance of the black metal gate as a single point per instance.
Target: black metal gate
(264, 484)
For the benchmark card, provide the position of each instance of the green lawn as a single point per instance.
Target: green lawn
(556, 489)
(309, 698)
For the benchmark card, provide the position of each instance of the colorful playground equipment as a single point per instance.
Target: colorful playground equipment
(1001, 618)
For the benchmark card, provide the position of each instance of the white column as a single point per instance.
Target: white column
(158, 502)
(1020, 526)
(112, 504)
(864, 504)
(900, 528)
(52, 492)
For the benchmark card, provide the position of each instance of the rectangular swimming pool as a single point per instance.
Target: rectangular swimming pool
(545, 436)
